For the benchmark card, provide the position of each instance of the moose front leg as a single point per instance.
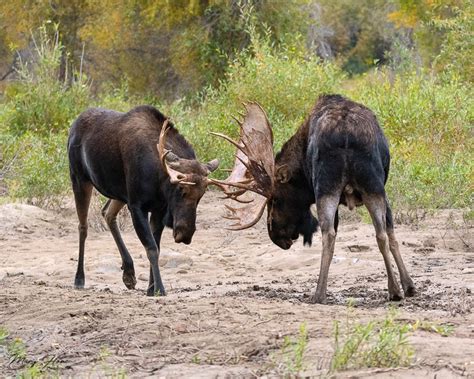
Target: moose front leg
(327, 210)
(157, 229)
(143, 230)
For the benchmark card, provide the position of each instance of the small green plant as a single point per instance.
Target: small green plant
(293, 350)
(104, 367)
(196, 359)
(36, 370)
(3, 335)
(441, 329)
(17, 350)
(375, 344)
(104, 353)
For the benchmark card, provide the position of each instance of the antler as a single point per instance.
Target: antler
(253, 167)
(165, 155)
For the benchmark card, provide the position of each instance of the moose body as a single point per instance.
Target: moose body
(117, 154)
(339, 155)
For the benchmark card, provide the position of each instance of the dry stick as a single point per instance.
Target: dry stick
(119, 345)
(264, 321)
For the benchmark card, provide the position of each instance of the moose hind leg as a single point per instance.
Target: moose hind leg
(327, 209)
(110, 212)
(377, 208)
(407, 282)
(82, 197)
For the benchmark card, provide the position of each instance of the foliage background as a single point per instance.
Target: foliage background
(408, 60)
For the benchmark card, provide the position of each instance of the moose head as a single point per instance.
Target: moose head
(188, 178)
(258, 180)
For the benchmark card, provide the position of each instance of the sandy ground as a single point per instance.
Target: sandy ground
(232, 297)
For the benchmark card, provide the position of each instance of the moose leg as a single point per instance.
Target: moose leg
(110, 211)
(378, 211)
(82, 197)
(327, 209)
(143, 230)
(157, 229)
(407, 283)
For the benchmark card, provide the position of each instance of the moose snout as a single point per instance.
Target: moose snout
(282, 236)
(284, 244)
(183, 234)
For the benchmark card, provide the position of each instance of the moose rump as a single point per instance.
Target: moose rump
(140, 160)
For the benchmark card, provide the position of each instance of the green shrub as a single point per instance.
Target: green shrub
(40, 102)
(40, 174)
(375, 344)
(293, 351)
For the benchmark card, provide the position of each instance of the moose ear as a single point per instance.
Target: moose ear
(212, 165)
(282, 174)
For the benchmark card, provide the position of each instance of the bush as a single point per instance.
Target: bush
(41, 173)
(427, 122)
(34, 120)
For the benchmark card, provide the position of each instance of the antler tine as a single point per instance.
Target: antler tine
(222, 183)
(236, 198)
(162, 151)
(237, 121)
(238, 216)
(173, 173)
(228, 139)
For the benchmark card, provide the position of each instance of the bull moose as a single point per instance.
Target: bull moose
(140, 160)
(339, 155)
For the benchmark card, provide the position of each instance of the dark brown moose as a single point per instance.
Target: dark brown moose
(140, 160)
(339, 155)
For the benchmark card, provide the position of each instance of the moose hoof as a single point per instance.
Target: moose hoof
(129, 280)
(397, 296)
(79, 283)
(151, 291)
(410, 291)
(318, 299)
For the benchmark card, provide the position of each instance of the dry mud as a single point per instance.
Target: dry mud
(232, 297)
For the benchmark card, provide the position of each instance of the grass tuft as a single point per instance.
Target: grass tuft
(375, 344)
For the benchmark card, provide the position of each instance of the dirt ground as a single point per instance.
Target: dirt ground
(232, 297)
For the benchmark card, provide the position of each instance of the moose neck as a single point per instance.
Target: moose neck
(293, 154)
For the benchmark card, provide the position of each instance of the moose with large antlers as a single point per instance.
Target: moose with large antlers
(339, 155)
(140, 160)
